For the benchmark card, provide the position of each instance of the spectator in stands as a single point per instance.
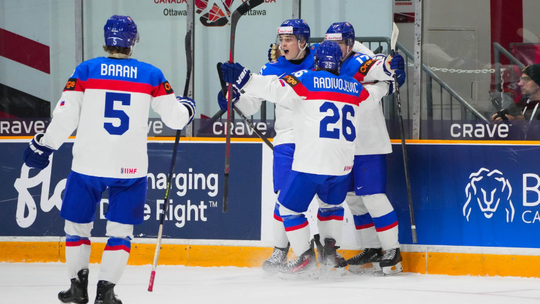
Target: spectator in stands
(528, 108)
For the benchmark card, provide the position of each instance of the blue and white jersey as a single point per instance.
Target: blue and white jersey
(107, 101)
(249, 104)
(372, 134)
(325, 110)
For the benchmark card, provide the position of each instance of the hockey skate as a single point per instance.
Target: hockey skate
(367, 262)
(303, 267)
(105, 293)
(329, 258)
(276, 260)
(391, 262)
(78, 292)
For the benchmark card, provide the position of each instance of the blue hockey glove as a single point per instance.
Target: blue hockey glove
(401, 76)
(223, 102)
(397, 62)
(37, 155)
(236, 74)
(189, 104)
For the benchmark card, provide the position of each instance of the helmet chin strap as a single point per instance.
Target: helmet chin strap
(302, 50)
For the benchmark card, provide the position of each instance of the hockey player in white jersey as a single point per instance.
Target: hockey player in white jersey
(324, 107)
(293, 35)
(107, 100)
(374, 217)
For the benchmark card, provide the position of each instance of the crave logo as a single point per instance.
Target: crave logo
(489, 192)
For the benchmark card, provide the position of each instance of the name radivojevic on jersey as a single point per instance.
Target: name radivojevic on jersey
(335, 84)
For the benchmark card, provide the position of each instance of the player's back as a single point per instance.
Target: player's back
(112, 131)
(324, 121)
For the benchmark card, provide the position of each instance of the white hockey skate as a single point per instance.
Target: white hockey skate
(279, 256)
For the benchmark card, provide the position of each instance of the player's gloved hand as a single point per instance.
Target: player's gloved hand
(37, 155)
(236, 74)
(273, 52)
(189, 104)
(397, 62)
(223, 102)
(401, 76)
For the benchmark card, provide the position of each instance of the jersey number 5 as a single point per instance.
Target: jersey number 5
(347, 126)
(111, 112)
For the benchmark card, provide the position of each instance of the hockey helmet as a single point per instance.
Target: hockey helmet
(339, 31)
(328, 56)
(120, 31)
(297, 27)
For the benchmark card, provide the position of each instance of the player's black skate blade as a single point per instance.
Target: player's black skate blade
(332, 263)
(273, 264)
(367, 262)
(105, 293)
(78, 291)
(391, 262)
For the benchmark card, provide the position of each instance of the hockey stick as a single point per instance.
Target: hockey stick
(241, 10)
(393, 41)
(175, 151)
(244, 118)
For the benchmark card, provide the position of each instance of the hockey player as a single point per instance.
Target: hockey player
(107, 101)
(294, 37)
(374, 217)
(324, 106)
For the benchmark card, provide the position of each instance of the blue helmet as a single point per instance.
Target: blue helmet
(120, 31)
(297, 27)
(328, 56)
(340, 31)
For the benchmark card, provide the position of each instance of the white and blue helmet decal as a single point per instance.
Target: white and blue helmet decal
(328, 56)
(120, 31)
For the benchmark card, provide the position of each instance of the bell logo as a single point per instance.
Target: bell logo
(486, 192)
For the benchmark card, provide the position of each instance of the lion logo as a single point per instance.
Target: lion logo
(488, 189)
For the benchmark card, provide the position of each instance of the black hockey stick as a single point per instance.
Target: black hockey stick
(241, 10)
(175, 148)
(393, 41)
(244, 118)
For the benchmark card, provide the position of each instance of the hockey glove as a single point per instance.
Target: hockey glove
(37, 155)
(223, 102)
(235, 74)
(397, 62)
(401, 76)
(189, 104)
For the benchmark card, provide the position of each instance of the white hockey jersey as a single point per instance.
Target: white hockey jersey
(107, 101)
(325, 115)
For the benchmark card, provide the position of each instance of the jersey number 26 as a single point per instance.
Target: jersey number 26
(329, 127)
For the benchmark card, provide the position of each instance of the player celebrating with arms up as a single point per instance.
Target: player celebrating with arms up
(107, 101)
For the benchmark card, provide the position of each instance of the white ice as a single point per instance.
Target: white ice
(40, 283)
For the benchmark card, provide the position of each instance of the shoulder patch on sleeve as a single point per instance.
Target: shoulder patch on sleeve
(167, 87)
(364, 69)
(291, 80)
(70, 85)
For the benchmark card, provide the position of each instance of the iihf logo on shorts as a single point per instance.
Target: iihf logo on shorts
(486, 192)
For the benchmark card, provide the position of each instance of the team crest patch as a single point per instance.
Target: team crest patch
(71, 84)
(167, 87)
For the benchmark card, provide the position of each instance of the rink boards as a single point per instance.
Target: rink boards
(475, 204)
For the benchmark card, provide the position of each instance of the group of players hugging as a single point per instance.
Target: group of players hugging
(330, 144)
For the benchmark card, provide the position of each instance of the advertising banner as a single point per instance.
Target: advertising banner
(469, 195)
(31, 201)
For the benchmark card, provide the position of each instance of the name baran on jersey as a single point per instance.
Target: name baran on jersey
(335, 84)
(118, 70)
